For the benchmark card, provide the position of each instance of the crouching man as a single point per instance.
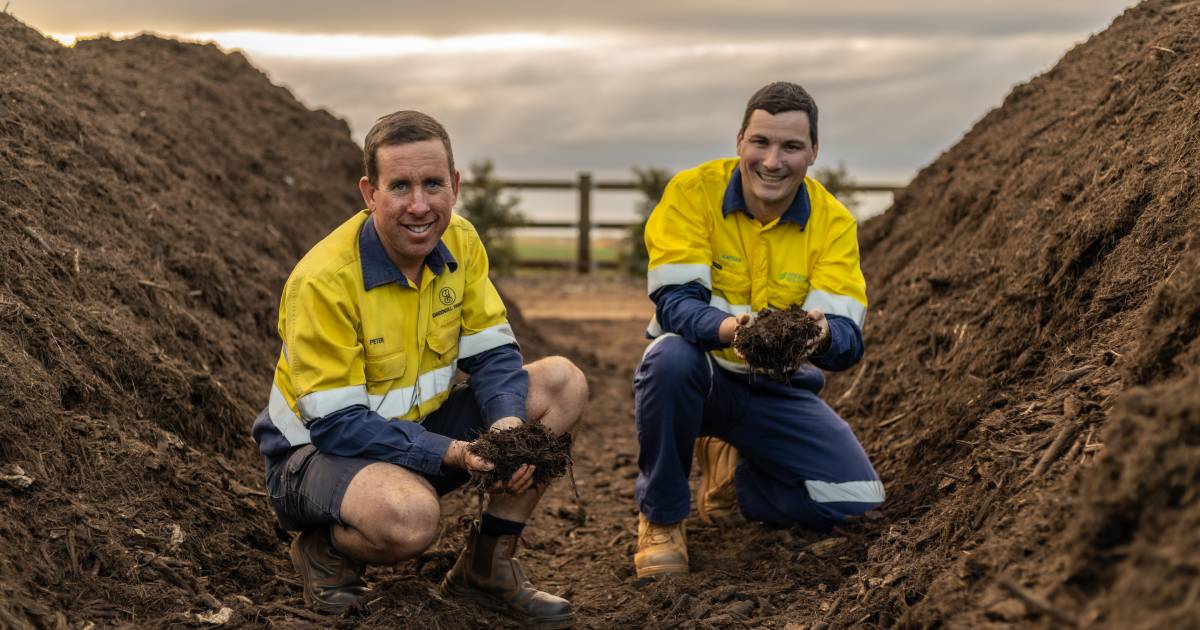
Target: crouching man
(729, 238)
(364, 430)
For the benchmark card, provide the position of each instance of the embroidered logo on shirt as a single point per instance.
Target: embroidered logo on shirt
(376, 341)
(792, 277)
(447, 296)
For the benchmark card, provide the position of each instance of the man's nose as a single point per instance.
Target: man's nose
(420, 204)
(771, 158)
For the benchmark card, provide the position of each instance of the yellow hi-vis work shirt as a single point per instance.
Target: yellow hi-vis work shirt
(698, 234)
(392, 348)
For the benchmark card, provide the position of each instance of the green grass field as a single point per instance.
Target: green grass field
(564, 248)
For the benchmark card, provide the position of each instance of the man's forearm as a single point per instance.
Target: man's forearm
(684, 310)
(845, 345)
(359, 432)
(499, 382)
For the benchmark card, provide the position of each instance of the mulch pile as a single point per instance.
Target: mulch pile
(1030, 392)
(154, 195)
(776, 341)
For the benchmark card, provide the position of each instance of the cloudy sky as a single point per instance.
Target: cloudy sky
(550, 89)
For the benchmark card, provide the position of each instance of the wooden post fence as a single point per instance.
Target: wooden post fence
(584, 224)
(583, 262)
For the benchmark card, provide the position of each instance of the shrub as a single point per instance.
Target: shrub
(651, 182)
(480, 202)
(837, 181)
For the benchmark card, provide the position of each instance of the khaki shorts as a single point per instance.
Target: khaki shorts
(307, 486)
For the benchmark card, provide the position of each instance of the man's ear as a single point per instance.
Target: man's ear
(455, 181)
(368, 192)
(816, 147)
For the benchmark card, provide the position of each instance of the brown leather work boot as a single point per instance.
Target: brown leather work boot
(716, 503)
(487, 574)
(332, 580)
(661, 549)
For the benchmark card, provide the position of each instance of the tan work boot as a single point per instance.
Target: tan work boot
(661, 549)
(332, 580)
(487, 574)
(717, 503)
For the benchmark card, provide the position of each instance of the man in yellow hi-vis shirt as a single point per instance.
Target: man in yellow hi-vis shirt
(730, 238)
(364, 429)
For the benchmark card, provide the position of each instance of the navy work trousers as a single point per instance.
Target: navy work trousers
(800, 463)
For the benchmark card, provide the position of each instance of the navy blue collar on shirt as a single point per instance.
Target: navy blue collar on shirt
(797, 212)
(378, 268)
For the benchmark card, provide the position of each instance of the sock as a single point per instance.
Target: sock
(496, 526)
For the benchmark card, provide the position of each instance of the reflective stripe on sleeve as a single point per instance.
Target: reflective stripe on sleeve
(847, 491)
(654, 329)
(732, 309)
(322, 403)
(657, 339)
(286, 420)
(486, 339)
(401, 400)
(834, 304)
(665, 275)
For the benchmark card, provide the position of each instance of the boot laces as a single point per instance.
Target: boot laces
(660, 534)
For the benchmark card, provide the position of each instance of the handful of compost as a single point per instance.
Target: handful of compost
(777, 342)
(508, 450)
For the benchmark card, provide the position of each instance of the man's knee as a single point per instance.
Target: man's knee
(395, 510)
(407, 527)
(671, 361)
(562, 383)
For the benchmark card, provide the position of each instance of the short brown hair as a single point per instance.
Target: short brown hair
(402, 127)
(783, 96)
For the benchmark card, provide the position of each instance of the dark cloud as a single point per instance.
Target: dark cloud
(687, 18)
(888, 106)
(650, 83)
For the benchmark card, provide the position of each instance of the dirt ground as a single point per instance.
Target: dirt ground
(1030, 392)
(583, 548)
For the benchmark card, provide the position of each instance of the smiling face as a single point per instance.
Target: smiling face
(775, 151)
(411, 201)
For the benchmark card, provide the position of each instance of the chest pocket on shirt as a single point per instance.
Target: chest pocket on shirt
(784, 294)
(730, 281)
(385, 368)
(443, 339)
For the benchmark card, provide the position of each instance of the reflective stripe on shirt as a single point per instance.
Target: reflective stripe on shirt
(285, 419)
(322, 403)
(834, 304)
(398, 402)
(486, 339)
(665, 275)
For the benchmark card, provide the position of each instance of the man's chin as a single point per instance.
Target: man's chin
(774, 194)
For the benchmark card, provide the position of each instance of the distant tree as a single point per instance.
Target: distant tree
(651, 182)
(480, 202)
(837, 180)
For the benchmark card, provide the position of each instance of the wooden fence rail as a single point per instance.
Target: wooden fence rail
(586, 185)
